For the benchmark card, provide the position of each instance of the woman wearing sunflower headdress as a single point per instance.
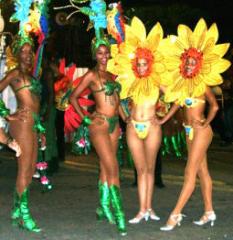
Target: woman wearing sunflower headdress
(138, 64)
(194, 62)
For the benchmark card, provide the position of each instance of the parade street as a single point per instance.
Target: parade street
(67, 212)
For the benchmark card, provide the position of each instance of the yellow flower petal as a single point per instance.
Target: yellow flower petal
(221, 66)
(221, 49)
(159, 68)
(200, 27)
(184, 33)
(213, 79)
(213, 32)
(208, 46)
(138, 28)
(156, 32)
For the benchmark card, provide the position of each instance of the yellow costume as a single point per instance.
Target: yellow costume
(123, 63)
(193, 61)
(206, 63)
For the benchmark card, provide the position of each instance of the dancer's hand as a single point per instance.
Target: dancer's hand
(128, 119)
(156, 121)
(13, 144)
(21, 115)
(200, 124)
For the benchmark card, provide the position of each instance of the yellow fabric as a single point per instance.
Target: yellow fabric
(204, 41)
(189, 131)
(138, 89)
(141, 128)
(193, 102)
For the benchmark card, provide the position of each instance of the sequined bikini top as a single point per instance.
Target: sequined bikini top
(193, 102)
(34, 87)
(109, 88)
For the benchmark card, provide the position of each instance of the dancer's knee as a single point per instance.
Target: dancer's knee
(141, 171)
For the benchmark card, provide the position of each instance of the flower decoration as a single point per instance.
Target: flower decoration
(63, 88)
(42, 165)
(44, 180)
(138, 45)
(193, 61)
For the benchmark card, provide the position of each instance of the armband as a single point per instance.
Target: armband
(4, 112)
(86, 121)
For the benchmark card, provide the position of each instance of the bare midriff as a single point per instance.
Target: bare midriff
(143, 112)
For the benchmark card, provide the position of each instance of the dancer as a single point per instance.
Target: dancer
(138, 65)
(27, 91)
(104, 131)
(194, 69)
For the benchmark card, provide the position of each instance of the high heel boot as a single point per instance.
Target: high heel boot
(118, 209)
(25, 219)
(15, 213)
(104, 210)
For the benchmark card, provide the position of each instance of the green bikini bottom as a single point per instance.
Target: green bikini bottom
(112, 121)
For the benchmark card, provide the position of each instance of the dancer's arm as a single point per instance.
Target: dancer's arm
(213, 108)
(8, 79)
(85, 83)
(123, 114)
(170, 113)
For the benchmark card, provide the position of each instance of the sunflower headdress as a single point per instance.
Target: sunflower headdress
(194, 61)
(138, 45)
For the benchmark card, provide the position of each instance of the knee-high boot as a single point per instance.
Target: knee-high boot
(104, 210)
(25, 219)
(15, 213)
(166, 148)
(176, 146)
(118, 209)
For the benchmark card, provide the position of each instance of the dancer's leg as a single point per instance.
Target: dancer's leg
(136, 147)
(105, 148)
(151, 146)
(197, 152)
(206, 185)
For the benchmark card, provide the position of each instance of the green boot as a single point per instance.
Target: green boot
(15, 213)
(176, 146)
(118, 209)
(25, 219)
(104, 211)
(166, 148)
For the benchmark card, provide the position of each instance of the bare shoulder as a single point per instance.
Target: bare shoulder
(12, 75)
(90, 75)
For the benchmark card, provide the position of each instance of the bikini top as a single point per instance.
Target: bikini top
(193, 102)
(34, 87)
(109, 88)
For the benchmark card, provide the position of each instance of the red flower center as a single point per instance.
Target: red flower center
(191, 62)
(142, 53)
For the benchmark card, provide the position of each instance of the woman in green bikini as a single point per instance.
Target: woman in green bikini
(24, 131)
(104, 132)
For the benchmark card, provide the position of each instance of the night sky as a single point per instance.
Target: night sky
(72, 41)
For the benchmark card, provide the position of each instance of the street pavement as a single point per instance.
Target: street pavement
(67, 212)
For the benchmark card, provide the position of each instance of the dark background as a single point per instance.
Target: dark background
(70, 39)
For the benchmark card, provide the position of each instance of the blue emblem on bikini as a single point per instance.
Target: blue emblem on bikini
(140, 127)
(188, 101)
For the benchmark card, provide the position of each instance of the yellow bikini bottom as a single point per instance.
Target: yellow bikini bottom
(189, 131)
(141, 128)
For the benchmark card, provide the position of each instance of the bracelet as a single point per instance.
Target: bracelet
(4, 112)
(86, 121)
